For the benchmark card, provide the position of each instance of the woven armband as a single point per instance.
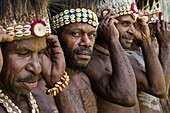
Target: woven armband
(59, 85)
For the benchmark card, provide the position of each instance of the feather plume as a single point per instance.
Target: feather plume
(21, 11)
(57, 6)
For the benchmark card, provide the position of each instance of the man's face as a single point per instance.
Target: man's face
(77, 41)
(126, 29)
(22, 64)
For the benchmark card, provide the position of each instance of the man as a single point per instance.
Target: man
(163, 37)
(77, 38)
(129, 29)
(23, 59)
(75, 24)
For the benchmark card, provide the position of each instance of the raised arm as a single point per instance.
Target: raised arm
(152, 79)
(4, 38)
(53, 71)
(117, 85)
(163, 37)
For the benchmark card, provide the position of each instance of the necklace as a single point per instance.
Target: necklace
(12, 108)
(101, 49)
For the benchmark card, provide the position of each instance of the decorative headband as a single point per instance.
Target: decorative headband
(38, 28)
(153, 15)
(152, 18)
(122, 9)
(75, 16)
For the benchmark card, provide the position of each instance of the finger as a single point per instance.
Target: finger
(166, 25)
(158, 25)
(54, 40)
(162, 27)
(6, 38)
(54, 47)
(2, 30)
(142, 21)
(10, 39)
(112, 21)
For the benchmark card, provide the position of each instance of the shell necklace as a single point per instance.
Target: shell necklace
(12, 108)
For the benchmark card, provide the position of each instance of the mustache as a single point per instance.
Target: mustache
(83, 49)
(128, 36)
(29, 78)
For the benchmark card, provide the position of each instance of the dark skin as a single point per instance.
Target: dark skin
(77, 42)
(25, 57)
(146, 81)
(104, 80)
(163, 37)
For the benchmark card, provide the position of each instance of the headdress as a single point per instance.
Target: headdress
(24, 18)
(150, 9)
(165, 9)
(64, 12)
(119, 7)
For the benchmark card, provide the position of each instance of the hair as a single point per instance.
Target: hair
(21, 11)
(146, 3)
(57, 6)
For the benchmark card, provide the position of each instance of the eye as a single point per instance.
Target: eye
(126, 24)
(23, 53)
(92, 35)
(41, 53)
(76, 34)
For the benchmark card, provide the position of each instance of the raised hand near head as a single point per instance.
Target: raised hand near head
(142, 31)
(107, 28)
(4, 38)
(163, 32)
(53, 62)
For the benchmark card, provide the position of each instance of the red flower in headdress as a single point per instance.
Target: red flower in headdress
(38, 28)
(134, 8)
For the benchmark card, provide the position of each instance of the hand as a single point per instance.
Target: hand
(142, 31)
(163, 32)
(107, 28)
(53, 62)
(3, 38)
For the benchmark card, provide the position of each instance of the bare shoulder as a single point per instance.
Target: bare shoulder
(99, 61)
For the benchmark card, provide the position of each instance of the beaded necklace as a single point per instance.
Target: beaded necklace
(12, 108)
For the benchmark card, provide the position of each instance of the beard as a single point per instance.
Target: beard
(70, 58)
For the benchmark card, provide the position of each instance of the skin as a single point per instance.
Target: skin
(147, 81)
(26, 58)
(163, 37)
(77, 42)
(102, 78)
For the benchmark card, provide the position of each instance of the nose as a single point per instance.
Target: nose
(34, 65)
(86, 41)
(131, 29)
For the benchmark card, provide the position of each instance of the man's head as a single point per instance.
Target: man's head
(76, 25)
(127, 13)
(29, 25)
(151, 11)
(126, 29)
